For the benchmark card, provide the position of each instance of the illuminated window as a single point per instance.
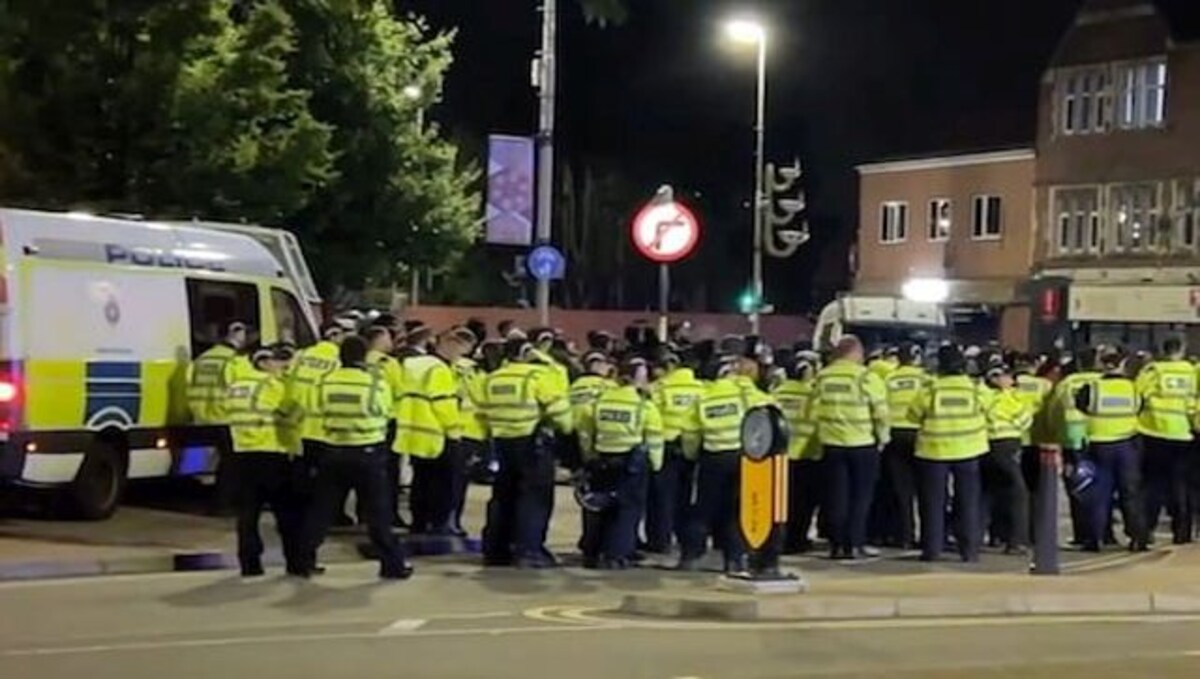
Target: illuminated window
(1141, 94)
(1084, 100)
(1079, 225)
(938, 228)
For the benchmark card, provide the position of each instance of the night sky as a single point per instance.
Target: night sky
(667, 100)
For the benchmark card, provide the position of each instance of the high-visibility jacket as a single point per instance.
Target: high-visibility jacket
(207, 383)
(470, 399)
(559, 378)
(1073, 421)
(720, 411)
(1168, 392)
(427, 412)
(795, 402)
(850, 404)
(884, 367)
(584, 392)
(388, 368)
(308, 369)
(903, 385)
(1034, 391)
(519, 398)
(619, 422)
(1111, 408)
(951, 411)
(676, 395)
(1009, 416)
(254, 407)
(353, 406)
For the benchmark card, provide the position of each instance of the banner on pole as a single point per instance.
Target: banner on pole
(510, 190)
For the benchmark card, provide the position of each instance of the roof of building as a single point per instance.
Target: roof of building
(946, 160)
(1113, 30)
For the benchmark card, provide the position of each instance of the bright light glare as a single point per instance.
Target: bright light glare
(745, 31)
(933, 290)
(412, 92)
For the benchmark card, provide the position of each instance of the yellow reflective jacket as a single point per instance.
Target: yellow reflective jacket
(903, 386)
(1034, 391)
(621, 420)
(254, 406)
(676, 395)
(388, 368)
(519, 398)
(427, 412)
(207, 383)
(795, 399)
(308, 369)
(720, 412)
(470, 398)
(1112, 406)
(1008, 416)
(353, 406)
(1168, 392)
(954, 426)
(850, 405)
(585, 391)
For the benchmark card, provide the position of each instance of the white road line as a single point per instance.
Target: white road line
(403, 626)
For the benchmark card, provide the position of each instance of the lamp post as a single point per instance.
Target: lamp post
(746, 31)
(414, 93)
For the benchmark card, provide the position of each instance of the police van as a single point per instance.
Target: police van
(99, 320)
(878, 321)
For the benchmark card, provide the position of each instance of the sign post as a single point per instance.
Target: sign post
(665, 231)
(763, 503)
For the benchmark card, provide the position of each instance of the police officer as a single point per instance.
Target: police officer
(719, 414)
(208, 376)
(852, 425)
(899, 465)
(950, 443)
(1168, 390)
(380, 345)
(1009, 417)
(806, 477)
(310, 366)
(353, 405)
(256, 407)
(622, 442)
(675, 394)
(597, 379)
(1073, 423)
(429, 428)
(474, 444)
(1111, 405)
(520, 401)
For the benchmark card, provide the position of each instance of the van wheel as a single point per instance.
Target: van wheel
(97, 489)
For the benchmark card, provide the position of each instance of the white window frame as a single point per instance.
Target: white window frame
(1186, 209)
(893, 214)
(1084, 98)
(1134, 108)
(980, 218)
(933, 225)
(1082, 238)
(1150, 213)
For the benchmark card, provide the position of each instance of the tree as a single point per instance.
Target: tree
(401, 196)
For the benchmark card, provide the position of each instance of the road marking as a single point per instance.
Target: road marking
(403, 625)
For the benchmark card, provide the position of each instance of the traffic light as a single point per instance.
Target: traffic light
(749, 302)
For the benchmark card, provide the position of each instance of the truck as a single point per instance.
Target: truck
(100, 318)
(879, 320)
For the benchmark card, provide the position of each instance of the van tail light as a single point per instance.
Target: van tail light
(8, 392)
(10, 398)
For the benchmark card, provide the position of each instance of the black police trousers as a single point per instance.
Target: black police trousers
(935, 476)
(1119, 470)
(852, 473)
(899, 485)
(1167, 467)
(806, 494)
(669, 497)
(260, 480)
(612, 533)
(1005, 495)
(518, 513)
(718, 487)
(362, 469)
(435, 484)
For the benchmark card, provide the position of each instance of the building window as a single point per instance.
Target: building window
(893, 222)
(1187, 215)
(1141, 94)
(1079, 223)
(986, 218)
(1135, 217)
(939, 220)
(1084, 100)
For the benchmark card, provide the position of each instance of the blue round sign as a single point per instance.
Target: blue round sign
(546, 263)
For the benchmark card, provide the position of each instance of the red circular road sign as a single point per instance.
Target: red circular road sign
(665, 232)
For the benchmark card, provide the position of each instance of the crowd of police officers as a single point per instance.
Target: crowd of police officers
(880, 445)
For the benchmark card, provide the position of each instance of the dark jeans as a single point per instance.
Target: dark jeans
(436, 482)
(1118, 469)
(715, 514)
(900, 465)
(967, 505)
(851, 473)
(1006, 497)
(669, 498)
(261, 480)
(519, 509)
(612, 533)
(468, 451)
(340, 469)
(1166, 466)
(806, 495)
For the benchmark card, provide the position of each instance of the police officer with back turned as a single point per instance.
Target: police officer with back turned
(1168, 390)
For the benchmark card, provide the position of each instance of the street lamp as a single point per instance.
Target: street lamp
(750, 32)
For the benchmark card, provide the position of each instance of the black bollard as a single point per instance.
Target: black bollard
(1045, 546)
(763, 494)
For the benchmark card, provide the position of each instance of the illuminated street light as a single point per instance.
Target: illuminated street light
(746, 31)
(412, 92)
(929, 290)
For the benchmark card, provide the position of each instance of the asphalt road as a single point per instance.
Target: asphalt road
(453, 621)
